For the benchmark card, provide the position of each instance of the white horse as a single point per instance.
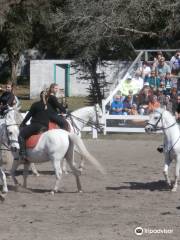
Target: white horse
(78, 119)
(8, 142)
(53, 145)
(163, 120)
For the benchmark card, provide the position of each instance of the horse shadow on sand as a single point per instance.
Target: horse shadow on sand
(160, 185)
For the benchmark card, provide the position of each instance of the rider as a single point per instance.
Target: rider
(57, 107)
(39, 114)
(7, 98)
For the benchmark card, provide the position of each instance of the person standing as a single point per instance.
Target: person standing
(56, 115)
(7, 98)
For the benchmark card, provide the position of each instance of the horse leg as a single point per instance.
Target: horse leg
(25, 173)
(58, 173)
(13, 171)
(174, 189)
(34, 170)
(165, 171)
(64, 166)
(70, 161)
(81, 166)
(3, 179)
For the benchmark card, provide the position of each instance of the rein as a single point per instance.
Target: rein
(160, 128)
(88, 123)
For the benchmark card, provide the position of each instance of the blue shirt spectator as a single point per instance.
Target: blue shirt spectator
(117, 106)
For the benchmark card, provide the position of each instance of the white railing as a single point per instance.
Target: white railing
(137, 123)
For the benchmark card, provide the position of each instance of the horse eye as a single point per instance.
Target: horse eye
(10, 133)
(156, 118)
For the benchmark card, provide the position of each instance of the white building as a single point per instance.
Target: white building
(63, 72)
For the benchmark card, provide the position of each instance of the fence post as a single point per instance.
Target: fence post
(94, 133)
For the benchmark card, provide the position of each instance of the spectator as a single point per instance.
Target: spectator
(144, 70)
(133, 110)
(117, 106)
(144, 98)
(175, 63)
(162, 68)
(156, 59)
(174, 97)
(168, 103)
(127, 104)
(153, 104)
(161, 97)
(168, 84)
(153, 80)
(128, 84)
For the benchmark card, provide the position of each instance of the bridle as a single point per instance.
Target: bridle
(9, 140)
(94, 124)
(155, 128)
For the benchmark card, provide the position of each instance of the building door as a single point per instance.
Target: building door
(62, 77)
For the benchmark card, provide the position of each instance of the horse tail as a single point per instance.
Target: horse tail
(77, 141)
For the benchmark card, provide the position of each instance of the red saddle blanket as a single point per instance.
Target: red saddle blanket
(33, 140)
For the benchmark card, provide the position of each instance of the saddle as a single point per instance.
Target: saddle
(33, 140)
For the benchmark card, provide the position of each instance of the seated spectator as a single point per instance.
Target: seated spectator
(127, 85)
(139, 81)
(168, 84)
(153, 80)
(144, 70)
(174, 97)
(162, 68)
(175, 63)
(156, 60)
(127, 104)
(117, 106)
(153, 104)
(144, 98)
(133, 110)
(161, 97)
(168, 103)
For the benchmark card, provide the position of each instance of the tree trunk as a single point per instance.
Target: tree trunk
(14, 61)
(14, 67)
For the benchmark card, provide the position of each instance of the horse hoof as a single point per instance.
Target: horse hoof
(52, 193)
(36, 174)
(80, 191)
(174, 190)
(2, 197)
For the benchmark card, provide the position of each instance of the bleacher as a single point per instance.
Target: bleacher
(131, 123)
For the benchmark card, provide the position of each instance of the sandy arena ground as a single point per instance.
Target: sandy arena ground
(132, 194)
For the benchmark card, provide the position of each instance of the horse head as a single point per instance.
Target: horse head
(160, 119)
(98, 116)
(12, 120)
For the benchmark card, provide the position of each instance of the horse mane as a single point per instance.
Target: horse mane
(168, 113)
(17, 116)
(80, 109)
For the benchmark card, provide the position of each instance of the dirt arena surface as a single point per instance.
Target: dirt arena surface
(132, 194)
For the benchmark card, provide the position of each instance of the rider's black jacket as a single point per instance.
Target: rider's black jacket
(38, 114)
(55, 105)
